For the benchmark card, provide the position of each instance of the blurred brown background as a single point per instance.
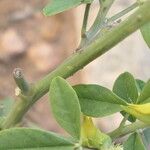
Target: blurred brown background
(37, 44)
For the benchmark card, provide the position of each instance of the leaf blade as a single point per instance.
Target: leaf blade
(145, 30)
(25, 138)
(145, 93)
(134, 142)
(65, 106)
(57, 6)
(125, 87)
(90, 97)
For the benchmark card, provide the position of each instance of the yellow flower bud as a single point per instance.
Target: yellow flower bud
(141, 111)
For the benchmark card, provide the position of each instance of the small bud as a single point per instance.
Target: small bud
(141, 112)
(17, 91)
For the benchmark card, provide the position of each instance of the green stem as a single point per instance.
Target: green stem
(105, 6)
(84, 26)
(127, 129)
(124, 12)
(78, 60)
(20, 80)
(85, 20)
(123, 121)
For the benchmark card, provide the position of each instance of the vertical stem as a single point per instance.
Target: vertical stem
(20, 80)
(84, 26)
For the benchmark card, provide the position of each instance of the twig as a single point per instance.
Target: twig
(119, 132)
(20, 80)
(123, 12)
(84, 26)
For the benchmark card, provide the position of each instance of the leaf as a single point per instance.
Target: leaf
(146, 137)
(58, 6)
(140, 85)
(97, 101)
(125, 87)
(98, 93)
(5, 106)
(65, 106)
(145, 30)
(134, 142)
(145, 94)
(141, 112)
(25, 138)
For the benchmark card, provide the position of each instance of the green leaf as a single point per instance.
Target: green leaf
(146, 137)
(145, 30)
(5, 106)
(140, 85)
(65, 106)
(97, 101)
(125, 87)
(145, 94)
(25, 138)
(134, 142)
(58, 6)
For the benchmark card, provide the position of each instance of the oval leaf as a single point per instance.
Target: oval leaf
(145, 93)
(65, 106)
(145, 30)
(125, 87)
(134, 142)
(25, 138)
(58, 6)
(97, 101)
(140, 85)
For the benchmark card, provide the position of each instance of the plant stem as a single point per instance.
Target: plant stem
(123, 121)
(127, 129)
(20, 80)
(123, 12)
(99, 21)
(85, 20)
(84, 26)
(78, 60)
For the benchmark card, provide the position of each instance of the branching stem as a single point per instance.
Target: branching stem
(77, 61)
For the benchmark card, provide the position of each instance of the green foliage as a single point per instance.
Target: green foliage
(145, 30)
(130, 96)
(24, 138)
(58, 6)
(100, 98)
(145, 93)
(65, 106)
(125, 87)
(140, 85)
(134, 142)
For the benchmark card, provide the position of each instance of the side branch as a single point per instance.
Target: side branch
(127, 129)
